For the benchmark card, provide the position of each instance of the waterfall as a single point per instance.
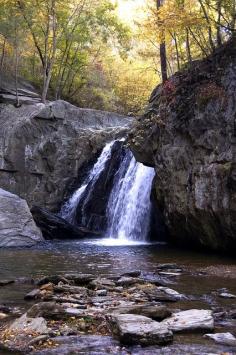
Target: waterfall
(114, 197)
(129, 205)
(68, 211)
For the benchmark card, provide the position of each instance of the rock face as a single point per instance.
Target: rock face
(17, 227)
(44, 148)
(188, 135)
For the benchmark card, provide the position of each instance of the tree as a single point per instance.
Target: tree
(162, 45)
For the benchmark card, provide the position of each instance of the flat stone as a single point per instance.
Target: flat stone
(155, 312)
(83, 344)
(26, 324)
(55, 279)
(167, 266)
(101, 293)
(104, 299)
(128, 281)
(135, 273)
(101, 283)
(74, 312)
(135, 329)
(6, 282)
(227, 295)
(71, 289)
(222, 338)
(190, 320)
(33, 295)
(157, 294)
(80, 279)
(48, 310)
(3, 315)
(169, 273)
(171, 292)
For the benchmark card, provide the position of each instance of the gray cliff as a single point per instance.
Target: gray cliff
(189, 135)
(43, 148)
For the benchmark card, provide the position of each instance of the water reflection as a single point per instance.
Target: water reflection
(99, 258)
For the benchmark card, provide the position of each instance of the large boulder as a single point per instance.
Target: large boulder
(45, 149)
(55, 227)
(188, 135)
(17, 227)
(135, 329)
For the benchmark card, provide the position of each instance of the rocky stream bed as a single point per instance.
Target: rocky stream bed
(84, 298)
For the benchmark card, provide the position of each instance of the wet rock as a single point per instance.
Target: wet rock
(171, 292)
(33, 295)
(82, 291)
(118, 289)
(55, 227)
(222, 338)
(159, 295)
(134, 329)
(101, 293)
(82, 344)
(47, 310)
(227, 295)
(156, 312)
(190, 320)
(76, 299)
(157, 280)
(184, 349)
(55, 279)
(135, 273)
(5, 309)
(128, 281)
(3, 315)
(101, 283)
(232, 313)
(37, 340)
(17, 227)
(169, 273)
(80, 279)
(6, 282)
(100, 299)
(74, 312)
(26, 324)
(24, 281)
(18, 337)
(168, 266)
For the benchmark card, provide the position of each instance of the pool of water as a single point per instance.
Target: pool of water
(103, 257)
(203, 273)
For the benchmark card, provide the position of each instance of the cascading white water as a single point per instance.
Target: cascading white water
(129, 205)
(68, 211)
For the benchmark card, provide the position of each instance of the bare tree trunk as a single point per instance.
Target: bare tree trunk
(17, 103)
(209, 24)
(188, 47)
(218, 28)
(3, 55)
(162, 50)
(198, 42)
(176, 50)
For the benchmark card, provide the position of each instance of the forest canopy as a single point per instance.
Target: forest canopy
(96, 54)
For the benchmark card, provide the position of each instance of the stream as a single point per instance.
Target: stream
(203, 274)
